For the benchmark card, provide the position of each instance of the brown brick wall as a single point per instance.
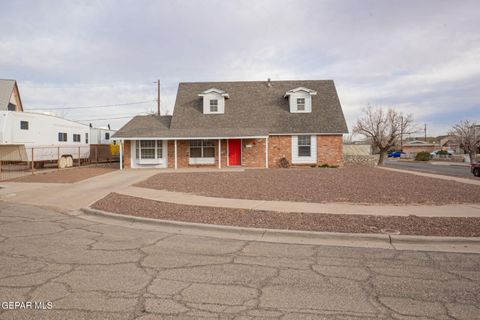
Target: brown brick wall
(253, 153)
(171, 154)
(224, 153)
(279, 147)
(417, 149)
(126, 154)
(330, 150)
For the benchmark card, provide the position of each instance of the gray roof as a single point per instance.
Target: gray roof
(253, 109)
(145, 126)
(6, 89)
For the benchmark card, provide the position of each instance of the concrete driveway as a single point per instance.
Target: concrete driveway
(101, 271)
(456, 170)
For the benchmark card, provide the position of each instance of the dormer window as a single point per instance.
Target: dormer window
(300, 99)
(213, 106)
(214, 101)
(300, 104)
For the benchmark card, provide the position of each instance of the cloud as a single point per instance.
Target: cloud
(421, 57)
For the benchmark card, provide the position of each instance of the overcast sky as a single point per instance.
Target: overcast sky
(422, 57)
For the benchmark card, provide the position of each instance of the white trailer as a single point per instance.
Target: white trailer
(101, 135)
(27, 136)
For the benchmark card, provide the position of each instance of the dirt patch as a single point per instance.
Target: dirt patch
(410, 225)
(66, 175)
(353, 185)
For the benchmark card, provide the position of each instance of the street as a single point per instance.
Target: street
(449, 170)
(104, 271)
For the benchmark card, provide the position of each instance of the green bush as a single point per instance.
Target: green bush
(444, 152)
(326, 165)
(422, 156)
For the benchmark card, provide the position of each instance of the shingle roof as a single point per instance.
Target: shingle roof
(145, 126)
(253, 109)
(6, 89)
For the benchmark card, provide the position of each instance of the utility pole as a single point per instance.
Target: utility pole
(158, 97)
(425, 131)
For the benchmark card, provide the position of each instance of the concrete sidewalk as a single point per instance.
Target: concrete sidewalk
(71, 196)
(436, 176)
(82, 194)
(308, 207)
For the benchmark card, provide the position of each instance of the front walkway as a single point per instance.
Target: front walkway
(461, 210)
(84, 193)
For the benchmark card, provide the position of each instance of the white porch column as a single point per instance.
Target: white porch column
(266, 152)
(175, 152)
(219, 153)
(121, 154)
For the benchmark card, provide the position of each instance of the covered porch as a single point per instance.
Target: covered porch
(194, 152)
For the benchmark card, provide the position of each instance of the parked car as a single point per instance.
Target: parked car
(439, 152)
(396, 154)
(476, 169)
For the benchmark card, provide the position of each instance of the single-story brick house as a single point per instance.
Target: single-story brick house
(416, 146)
(245, 123)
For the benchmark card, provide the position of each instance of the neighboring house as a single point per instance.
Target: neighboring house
(416, 146)
(449, 143)
(245, 123)
(10, 96)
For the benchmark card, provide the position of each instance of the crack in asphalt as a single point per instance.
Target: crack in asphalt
(97, 269)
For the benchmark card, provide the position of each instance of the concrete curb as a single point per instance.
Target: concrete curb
(434, 175)
(385, 241)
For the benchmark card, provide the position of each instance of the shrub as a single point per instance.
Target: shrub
(284, 163)
(422, 156)
(444, 152)
(326, 165)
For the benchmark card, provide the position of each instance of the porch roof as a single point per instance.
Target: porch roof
(154, 127)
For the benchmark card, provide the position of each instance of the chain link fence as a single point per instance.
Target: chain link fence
(17, 160)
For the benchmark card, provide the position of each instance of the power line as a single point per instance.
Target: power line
(109, 118)
(102, 106)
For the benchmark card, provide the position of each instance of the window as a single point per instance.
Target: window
(300, 104)
(304, 146)
(24, 125)
(214, 105)
(62, 136)
(76, 137)
(202, 149)
(12, 107)
(86, 137)
(107, 135)
(149, 149)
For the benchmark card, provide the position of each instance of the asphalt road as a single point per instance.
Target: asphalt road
(90, 270)
(449, 170)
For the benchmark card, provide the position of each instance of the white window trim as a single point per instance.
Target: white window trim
(304, 105)
(202, 160)
(215, 105)
(312, 159)
(148, 163)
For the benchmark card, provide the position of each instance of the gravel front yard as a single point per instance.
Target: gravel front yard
(71, 175)
(410, 225)
(352, 184)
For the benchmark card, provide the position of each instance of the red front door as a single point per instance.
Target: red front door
(235, 152)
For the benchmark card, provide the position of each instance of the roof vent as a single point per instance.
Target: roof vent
(269, 82)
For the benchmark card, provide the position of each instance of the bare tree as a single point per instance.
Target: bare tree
(383, 127)
(467, 135)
